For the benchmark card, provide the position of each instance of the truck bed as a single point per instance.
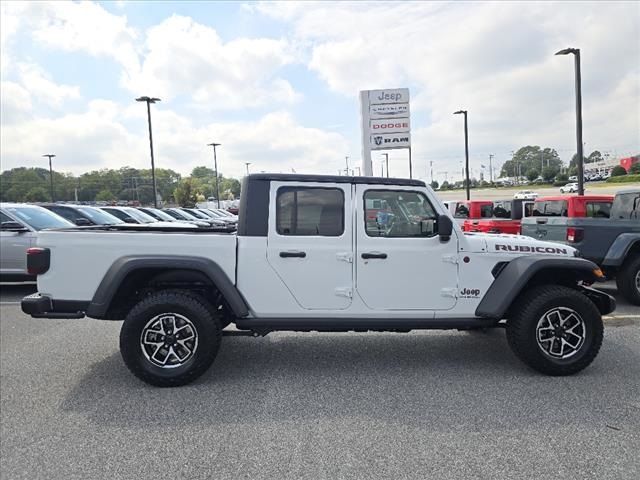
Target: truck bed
(87, 254)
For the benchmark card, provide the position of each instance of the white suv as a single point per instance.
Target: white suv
(569, 188)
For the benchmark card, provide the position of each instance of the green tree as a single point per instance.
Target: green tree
(562, 177)
(434, 184)
(618, 171)
(548, 173)
(105, 196)
(37, 194)
(593, 157)
(532, 174)
(445, 185)
(635, 169)
(529, 158)
(185, 194)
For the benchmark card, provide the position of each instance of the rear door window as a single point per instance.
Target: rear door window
(598, 209)
(486, 211)
(462, 210)
(502, 209)
(550, 208)
(306, 211)
(626, 206)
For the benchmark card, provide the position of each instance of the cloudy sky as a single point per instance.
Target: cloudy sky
(277, 83)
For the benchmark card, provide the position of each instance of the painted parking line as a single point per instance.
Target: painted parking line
(614, 317)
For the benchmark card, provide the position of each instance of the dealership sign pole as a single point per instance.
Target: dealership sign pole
(385, 123)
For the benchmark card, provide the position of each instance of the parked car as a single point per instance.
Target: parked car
(525, 195)
(573, 178)
(82, 215)
(200, 215)
(19, 224)
(135, 216)
(181, 214)
(315, 266)
(507, 215)
(215, 215)
(472, 209)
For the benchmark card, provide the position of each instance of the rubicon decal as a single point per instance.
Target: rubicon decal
(528, 249)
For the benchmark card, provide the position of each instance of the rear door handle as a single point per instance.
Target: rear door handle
(374, 255)
(293, 254)
(541, 221)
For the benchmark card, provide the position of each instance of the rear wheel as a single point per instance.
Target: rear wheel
(628, 280)
(170, 338)
(556, 330)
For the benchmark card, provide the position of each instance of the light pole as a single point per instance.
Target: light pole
(466, 150)
(578, 88)
(386, 155)
(247, 165)
(491, 167)
(215, 164)
(149, 101)
(50, 155)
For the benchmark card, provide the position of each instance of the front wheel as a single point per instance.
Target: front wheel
(555, 330)
(170, 338)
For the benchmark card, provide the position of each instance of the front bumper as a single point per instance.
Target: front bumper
(603, 301)
(41, 306)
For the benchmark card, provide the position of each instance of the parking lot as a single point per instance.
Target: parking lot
(379, 405)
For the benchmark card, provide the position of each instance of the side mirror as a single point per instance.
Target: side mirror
(13, 227)
(82, 222)
(445, 227)
(130, 220)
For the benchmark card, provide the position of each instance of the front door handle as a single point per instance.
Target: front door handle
(293, 254)
(374, 255)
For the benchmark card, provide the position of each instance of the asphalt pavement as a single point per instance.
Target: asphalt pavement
(313, 406)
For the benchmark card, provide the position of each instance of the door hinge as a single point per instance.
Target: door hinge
(450, 259)
(449, 292)
(345, 257)
(343, 292)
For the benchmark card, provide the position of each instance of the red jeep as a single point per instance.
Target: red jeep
(506, 218)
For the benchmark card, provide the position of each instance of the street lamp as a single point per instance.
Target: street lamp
(50, 155)
(247, 165)
(578, 88)
(215, 164)
(149, 101)
(466, 150)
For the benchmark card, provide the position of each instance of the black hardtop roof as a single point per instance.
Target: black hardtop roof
(295, 177)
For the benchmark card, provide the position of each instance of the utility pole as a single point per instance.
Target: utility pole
(490, 168)
(386, 155)
(149, 101)
(247, 165)
(466, 150)
(346, 161)
(382, 168)
(50, 155)
(215, 165)
(431, 168)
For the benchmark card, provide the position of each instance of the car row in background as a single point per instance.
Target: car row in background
(19, 224)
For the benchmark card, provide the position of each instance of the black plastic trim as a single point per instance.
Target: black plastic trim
(333, 324)
(253, 215)
(39, 306)
(125, 265)
(284, 177)
(513, 278)
(605, 302)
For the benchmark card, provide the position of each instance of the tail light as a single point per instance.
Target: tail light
(575, 235)
(38, 260)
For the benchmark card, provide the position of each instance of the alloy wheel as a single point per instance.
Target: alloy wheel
(560, 333)
(169, 340)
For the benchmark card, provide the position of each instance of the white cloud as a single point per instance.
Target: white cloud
(38, 83)
(183, 57)
(495, 59)
(15, 103)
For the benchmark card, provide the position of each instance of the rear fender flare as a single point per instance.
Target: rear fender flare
(124, 266)
(620, 248)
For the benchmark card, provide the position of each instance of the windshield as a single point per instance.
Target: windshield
(39, 218)
(138, 215)
(160, 215)
(550, 208)
(198, 214)
(184, 215)
(99, 217)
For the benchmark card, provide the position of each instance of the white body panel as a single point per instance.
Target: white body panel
(79, 260)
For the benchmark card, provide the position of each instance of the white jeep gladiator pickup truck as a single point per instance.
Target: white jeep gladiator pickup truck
(307, 257)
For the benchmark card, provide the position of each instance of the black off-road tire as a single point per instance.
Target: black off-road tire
(531, 307)
(626, 280)
(203, 320)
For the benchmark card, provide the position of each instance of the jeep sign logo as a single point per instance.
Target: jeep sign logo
(381, 97)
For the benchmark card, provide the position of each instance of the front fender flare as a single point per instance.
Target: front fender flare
(514, 277)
